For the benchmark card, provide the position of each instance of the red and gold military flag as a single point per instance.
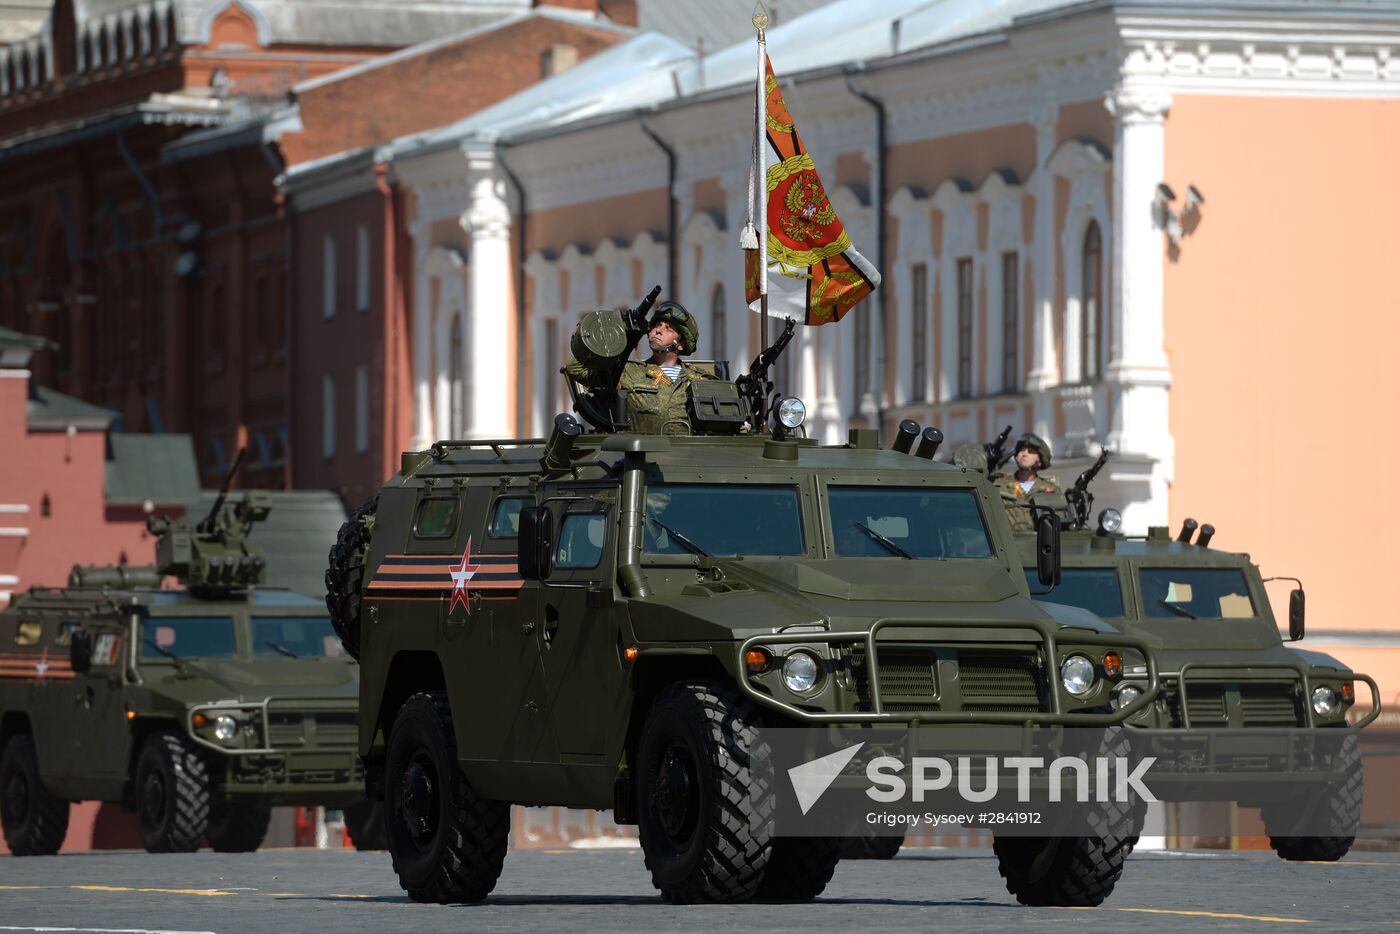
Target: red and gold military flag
(813, 273)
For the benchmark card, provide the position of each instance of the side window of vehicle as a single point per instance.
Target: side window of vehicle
(436, 518)
(29, 632)
(505, 517)
(581, 539)
(64, 637)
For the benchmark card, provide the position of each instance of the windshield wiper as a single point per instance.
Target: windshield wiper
(681, 540)
(181, 661)
(183, 665)
(283, 649)
(883, 541)
(1178, 610)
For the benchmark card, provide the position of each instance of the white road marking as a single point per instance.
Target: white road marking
(99, 931)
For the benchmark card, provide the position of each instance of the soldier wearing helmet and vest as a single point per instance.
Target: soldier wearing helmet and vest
(1032, 455)
(657, 388)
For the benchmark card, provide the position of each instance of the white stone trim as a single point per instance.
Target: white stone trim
(14, 532)
(1003, 196)
(13, 508)
(9, 580)
(1085, 167)
(915, 245)
(958, 205)
(205, 29)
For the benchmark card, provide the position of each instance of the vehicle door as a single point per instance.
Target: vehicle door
(578, 636)
(27, 666)
(99, 735)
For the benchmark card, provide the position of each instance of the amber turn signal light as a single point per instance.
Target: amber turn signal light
(630, 653)
(1348, 691)
(131, 715)
(199, 719)
(1112, 664)
(758, 660)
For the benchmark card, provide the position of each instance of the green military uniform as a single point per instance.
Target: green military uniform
(656, 404)
(1017, 500)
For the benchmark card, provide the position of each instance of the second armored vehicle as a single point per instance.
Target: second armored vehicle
(199, 708)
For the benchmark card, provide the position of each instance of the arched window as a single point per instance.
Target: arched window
(457, 403)
(718, 326)
(1091, 307)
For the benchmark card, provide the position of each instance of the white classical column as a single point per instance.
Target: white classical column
(487, 220)
(422, 342)
(1042, 375)
(1138, 360)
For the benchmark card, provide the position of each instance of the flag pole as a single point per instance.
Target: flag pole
(760, 22)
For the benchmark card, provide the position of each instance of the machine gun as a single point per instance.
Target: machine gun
(996, 451)
(755, 386)
(213, 556)
(637, 317)
(1081, 501)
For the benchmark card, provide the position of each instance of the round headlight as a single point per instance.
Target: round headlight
(1125, 696)
(1077, 674)
(225, 728)
(800, 672)
(1324, 700)
(1110, 521)
(792, 412)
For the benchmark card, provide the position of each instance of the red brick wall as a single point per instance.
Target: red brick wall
(434, 88)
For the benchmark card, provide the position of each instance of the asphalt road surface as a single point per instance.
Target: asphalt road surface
(608, 890)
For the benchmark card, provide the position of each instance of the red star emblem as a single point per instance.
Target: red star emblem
(461, 574)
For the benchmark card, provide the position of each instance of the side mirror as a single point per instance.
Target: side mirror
(1296, 604)
(533, 545)
(80, 651)
(1047, 549)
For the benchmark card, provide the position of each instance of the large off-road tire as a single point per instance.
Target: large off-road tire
(345, 574)
(447, 843)
(704, 795)
(1074, 871)
(365, 824)
(1337, 808)
(237, 828)
(172, 794)
(799, 868)
(35, 822)
(871, 846)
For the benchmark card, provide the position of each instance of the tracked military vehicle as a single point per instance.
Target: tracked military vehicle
(198, 707)
(600, 619)
(1241, 716)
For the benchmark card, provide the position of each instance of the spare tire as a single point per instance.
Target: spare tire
(345, 574)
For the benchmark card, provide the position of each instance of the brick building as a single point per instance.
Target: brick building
(139, 228)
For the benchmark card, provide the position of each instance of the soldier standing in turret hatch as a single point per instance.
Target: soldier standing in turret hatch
(1032, 455)
(658, 387)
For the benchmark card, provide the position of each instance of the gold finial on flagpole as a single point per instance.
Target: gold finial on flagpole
(760, 20)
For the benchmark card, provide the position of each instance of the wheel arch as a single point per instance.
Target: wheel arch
(410, 672)
(651, 674)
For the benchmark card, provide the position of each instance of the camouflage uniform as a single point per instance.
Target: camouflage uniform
(656, 404)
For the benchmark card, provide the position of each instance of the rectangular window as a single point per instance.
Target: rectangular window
(187, 637)
(1010, 323)
(361, 409)
(918, 277)
(328, 416)
(893, 522)
(328, 276)
(1094, 589)
(581, 539)
(700, 519)
(1195, 593)
(437, 518)
(505, 520)
(964, 328)
(362, 268)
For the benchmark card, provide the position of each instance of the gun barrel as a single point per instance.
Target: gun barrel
(904, 435)
(928, 443)
(1188, 528)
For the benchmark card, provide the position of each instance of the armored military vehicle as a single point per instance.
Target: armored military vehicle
(199, 708)
(1241, 716)
(601, 620)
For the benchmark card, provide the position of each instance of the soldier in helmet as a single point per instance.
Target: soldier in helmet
(657, 388)
(1032, 455)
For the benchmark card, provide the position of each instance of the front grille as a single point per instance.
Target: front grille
(1007, 681)
(337, 729)
(1205, 703)
(908, 682)
(285, 729)
(1269, 705)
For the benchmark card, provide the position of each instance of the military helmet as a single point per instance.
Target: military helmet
(1038, 444)
(682, 320)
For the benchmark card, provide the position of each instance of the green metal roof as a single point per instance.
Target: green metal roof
(51, 410)
(10, 338)
(159, 468)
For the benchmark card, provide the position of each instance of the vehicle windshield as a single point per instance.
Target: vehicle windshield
(1094, 589)
(913, 522)
(188, 637)
(722, 520)
(295, 636)
(1196, 593)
